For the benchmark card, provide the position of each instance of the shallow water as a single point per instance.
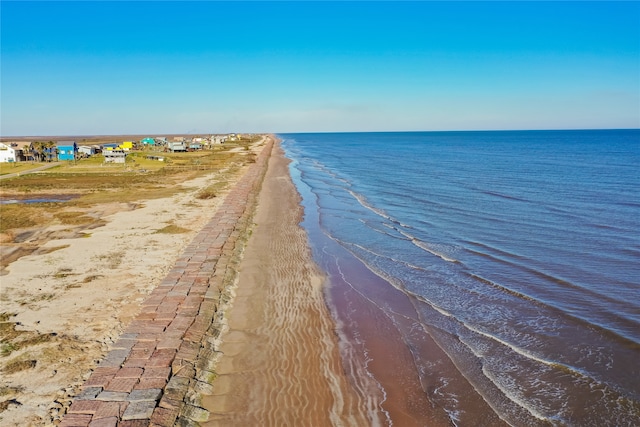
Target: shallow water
(37, 199)
(518, 252)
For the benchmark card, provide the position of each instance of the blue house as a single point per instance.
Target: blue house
(67, 150)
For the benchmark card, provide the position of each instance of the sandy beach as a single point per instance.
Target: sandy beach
(281, 364)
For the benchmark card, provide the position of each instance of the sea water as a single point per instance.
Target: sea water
(519, 250)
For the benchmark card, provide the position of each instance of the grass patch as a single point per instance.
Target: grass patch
(91, 278)
(23, 216)
(48, 296)
(112, 259)
(19, 365)
(8, 329)
(18, 167)
(206, 194)
(35, 340)
(73, 218)
(63, 272)
(7, 347)
(7, 390)
(172, 229)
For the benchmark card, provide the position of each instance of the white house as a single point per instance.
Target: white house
(8, 153)
(114, 156)
(87, 150)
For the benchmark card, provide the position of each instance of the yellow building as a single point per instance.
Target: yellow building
(126, 145)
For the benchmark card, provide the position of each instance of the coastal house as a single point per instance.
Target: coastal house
(148, 141)
(126, 145)
(66, 150)
(114, 156)
(23, 150)
(86, 150)
(218, 139)
(110, 146)
(8, 152)
(177, 146)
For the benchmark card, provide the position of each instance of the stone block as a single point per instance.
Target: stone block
(75, 420)
(121, 384)
(88, 393)
(153, 394)
(112, 396)
(84, 406)
(104, 422)
(194, 413)
(163, 417)
(141, 410)
(110, 409)
(156, 372)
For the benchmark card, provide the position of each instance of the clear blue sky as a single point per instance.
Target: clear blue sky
(71, 68)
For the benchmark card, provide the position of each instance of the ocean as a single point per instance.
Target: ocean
(479, 278)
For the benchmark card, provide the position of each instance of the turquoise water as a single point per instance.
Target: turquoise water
(520, 251)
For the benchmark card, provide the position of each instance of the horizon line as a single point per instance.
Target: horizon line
(304, 132)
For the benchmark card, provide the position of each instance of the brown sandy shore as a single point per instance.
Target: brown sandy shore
(280, 362)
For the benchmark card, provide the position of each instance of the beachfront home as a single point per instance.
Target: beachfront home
(86, 150)
(23, 150)
(109, 146)
(66, 150)
(177, 146)
(218, 139)
(114, 156)
(8, 152)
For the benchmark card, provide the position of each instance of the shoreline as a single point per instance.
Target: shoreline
(280, 362)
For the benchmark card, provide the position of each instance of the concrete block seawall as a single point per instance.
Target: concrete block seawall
(155, 372)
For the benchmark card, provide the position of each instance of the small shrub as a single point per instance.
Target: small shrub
(206, 194)
(19, 365)
(73, 218)
(6, 348)
(172, 229)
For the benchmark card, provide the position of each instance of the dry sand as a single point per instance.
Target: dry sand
(281, 364)
(69, 304)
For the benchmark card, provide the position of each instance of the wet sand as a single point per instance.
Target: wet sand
(281, 362)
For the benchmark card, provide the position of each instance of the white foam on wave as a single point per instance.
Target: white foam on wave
(428, 248)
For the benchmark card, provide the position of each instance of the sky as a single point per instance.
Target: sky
(119, 67)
